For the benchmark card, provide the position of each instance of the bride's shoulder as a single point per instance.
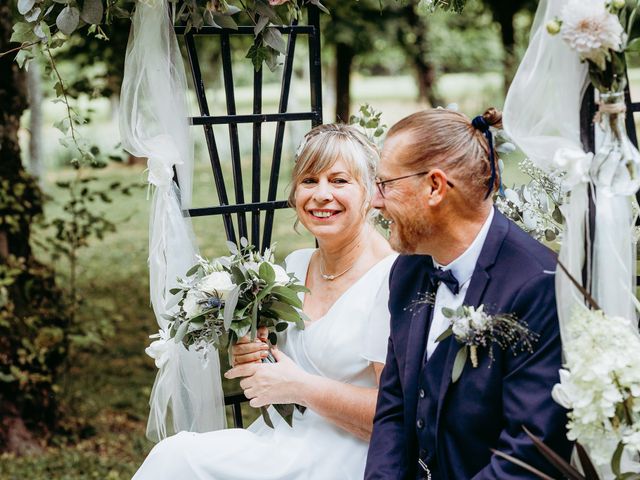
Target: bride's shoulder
(298, 257)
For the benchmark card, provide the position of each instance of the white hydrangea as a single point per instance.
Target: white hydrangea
(591, 30)
(602, 371)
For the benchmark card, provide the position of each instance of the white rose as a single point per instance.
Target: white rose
(282, 277)
(461, 328)
(218, 282)
(191, 305)
(478, 319)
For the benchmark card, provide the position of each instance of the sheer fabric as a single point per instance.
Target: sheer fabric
(153, 123)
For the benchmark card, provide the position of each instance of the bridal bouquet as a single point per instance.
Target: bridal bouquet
(222, 300)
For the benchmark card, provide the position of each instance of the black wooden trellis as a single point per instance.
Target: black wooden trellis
(588, 138)
(256, 205)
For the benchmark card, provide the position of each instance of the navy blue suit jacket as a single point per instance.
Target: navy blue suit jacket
(452, 427)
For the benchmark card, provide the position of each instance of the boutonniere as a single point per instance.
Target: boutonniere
(473, 328)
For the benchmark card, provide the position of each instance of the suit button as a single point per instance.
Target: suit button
(422, 453)
(421, 393)
(420, 423)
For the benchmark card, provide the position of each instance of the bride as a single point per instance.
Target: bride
(333, 366)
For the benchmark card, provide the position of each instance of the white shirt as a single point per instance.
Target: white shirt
(462, 268)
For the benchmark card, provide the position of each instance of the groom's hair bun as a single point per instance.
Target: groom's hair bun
(493, 117)
(446, 139)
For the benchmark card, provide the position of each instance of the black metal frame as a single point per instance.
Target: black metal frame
(257, 204)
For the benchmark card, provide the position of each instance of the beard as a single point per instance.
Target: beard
(406, 237)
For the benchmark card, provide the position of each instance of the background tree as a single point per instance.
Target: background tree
(504, 13)
(33, 318)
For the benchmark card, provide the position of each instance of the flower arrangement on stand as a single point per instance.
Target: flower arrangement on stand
(601, 32)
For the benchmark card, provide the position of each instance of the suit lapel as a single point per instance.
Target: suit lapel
(475, 293)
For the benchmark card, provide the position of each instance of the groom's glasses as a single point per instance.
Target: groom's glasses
(384, 184)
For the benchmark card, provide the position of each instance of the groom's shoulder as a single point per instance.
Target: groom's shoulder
(524, 252)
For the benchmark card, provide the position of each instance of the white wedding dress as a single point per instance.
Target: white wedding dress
(341, 345)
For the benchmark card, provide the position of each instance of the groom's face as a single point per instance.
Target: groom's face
(404, 201)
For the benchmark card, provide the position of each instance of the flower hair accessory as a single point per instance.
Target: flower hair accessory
(474, 328)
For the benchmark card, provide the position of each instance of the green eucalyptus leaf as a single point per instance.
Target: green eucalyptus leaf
(24, 6)
(225, 21)
(266, 272)
(266, 10)
(320, 6)
(233, 248)
(181, 331)
(288, 295)
(458, 363)
(273, 38)
(230, 307)
(266, 417)
(444, 335)
(193, 270)
(272, 59)
(68, 20)
(616, 459)
(448, 312)
(262, 22)
(92, 11)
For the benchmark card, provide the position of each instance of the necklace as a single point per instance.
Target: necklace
(333, 277)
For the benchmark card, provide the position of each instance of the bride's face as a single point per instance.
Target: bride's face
(332, 203)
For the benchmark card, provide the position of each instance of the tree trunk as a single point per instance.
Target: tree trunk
(30, 300)
(13, 102)
(418, 50)
(344, 60)
(504, 17)
(35, 122)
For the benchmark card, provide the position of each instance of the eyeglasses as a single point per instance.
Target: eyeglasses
(382, 184)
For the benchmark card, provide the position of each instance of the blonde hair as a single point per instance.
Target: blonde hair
(439, 138)
(326, 144)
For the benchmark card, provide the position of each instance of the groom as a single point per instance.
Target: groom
(436, 177)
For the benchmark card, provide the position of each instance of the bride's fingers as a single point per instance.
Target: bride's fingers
(250, 357)
(247, 348)
(263, 333)
(245, 370)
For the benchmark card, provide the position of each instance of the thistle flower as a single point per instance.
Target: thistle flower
(591, 30)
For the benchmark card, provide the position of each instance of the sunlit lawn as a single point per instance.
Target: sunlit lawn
(108, 386)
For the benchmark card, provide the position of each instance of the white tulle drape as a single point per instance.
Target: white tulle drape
(186, 395)
(542, 116)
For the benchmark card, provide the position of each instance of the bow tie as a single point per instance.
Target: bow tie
(438, 276)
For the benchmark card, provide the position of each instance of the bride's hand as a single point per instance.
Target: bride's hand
(247, 351)
(270, 383)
